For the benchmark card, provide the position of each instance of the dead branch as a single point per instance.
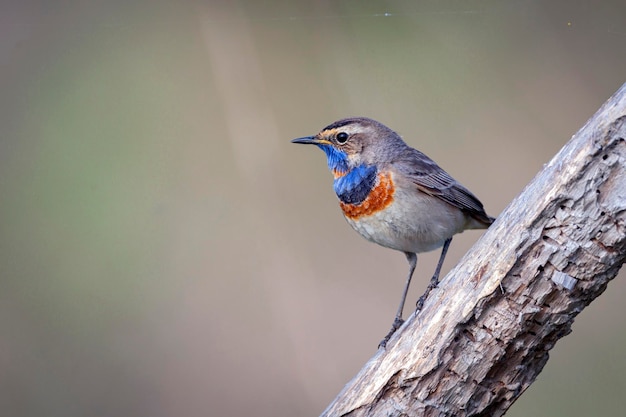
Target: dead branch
(484, 335)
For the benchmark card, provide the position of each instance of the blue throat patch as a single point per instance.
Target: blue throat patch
(337, 160)
(356, 184)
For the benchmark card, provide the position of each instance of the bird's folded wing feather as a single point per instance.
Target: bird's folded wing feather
(431, 179)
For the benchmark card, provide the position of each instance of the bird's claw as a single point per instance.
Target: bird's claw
(434, 282)
(420, 303)
(395, 326)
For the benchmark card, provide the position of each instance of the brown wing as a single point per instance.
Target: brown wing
(431, 179)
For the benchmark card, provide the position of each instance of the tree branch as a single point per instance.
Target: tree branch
(483, 336)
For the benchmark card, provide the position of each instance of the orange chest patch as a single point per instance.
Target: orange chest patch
(338, 174)
(378, 199)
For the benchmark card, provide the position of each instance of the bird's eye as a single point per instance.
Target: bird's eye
(342, 137)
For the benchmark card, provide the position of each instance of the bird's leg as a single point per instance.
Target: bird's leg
(397, 322)
(434, 281)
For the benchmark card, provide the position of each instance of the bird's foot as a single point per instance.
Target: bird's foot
(420, 303)
(434, 281)
(395, 326)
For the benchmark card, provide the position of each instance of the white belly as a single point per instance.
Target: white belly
(412, 223)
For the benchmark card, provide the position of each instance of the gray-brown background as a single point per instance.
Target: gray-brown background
(164, 249)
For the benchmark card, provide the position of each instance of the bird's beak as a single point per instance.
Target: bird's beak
(307, 140)
(312, 140)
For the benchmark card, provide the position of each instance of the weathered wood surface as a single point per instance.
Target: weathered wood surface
(483, 336)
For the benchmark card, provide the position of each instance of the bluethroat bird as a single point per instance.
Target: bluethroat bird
(395, 195)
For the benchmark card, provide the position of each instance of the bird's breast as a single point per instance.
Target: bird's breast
(374, 194)
(401, 217)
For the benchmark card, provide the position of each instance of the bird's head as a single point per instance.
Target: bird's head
(353, 142)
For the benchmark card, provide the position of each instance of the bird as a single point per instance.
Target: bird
(395, 195)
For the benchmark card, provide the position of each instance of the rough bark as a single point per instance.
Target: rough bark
(484, 335)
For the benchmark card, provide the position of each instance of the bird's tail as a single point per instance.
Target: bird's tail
(479, 221)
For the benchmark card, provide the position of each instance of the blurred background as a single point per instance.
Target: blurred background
(164, 249)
